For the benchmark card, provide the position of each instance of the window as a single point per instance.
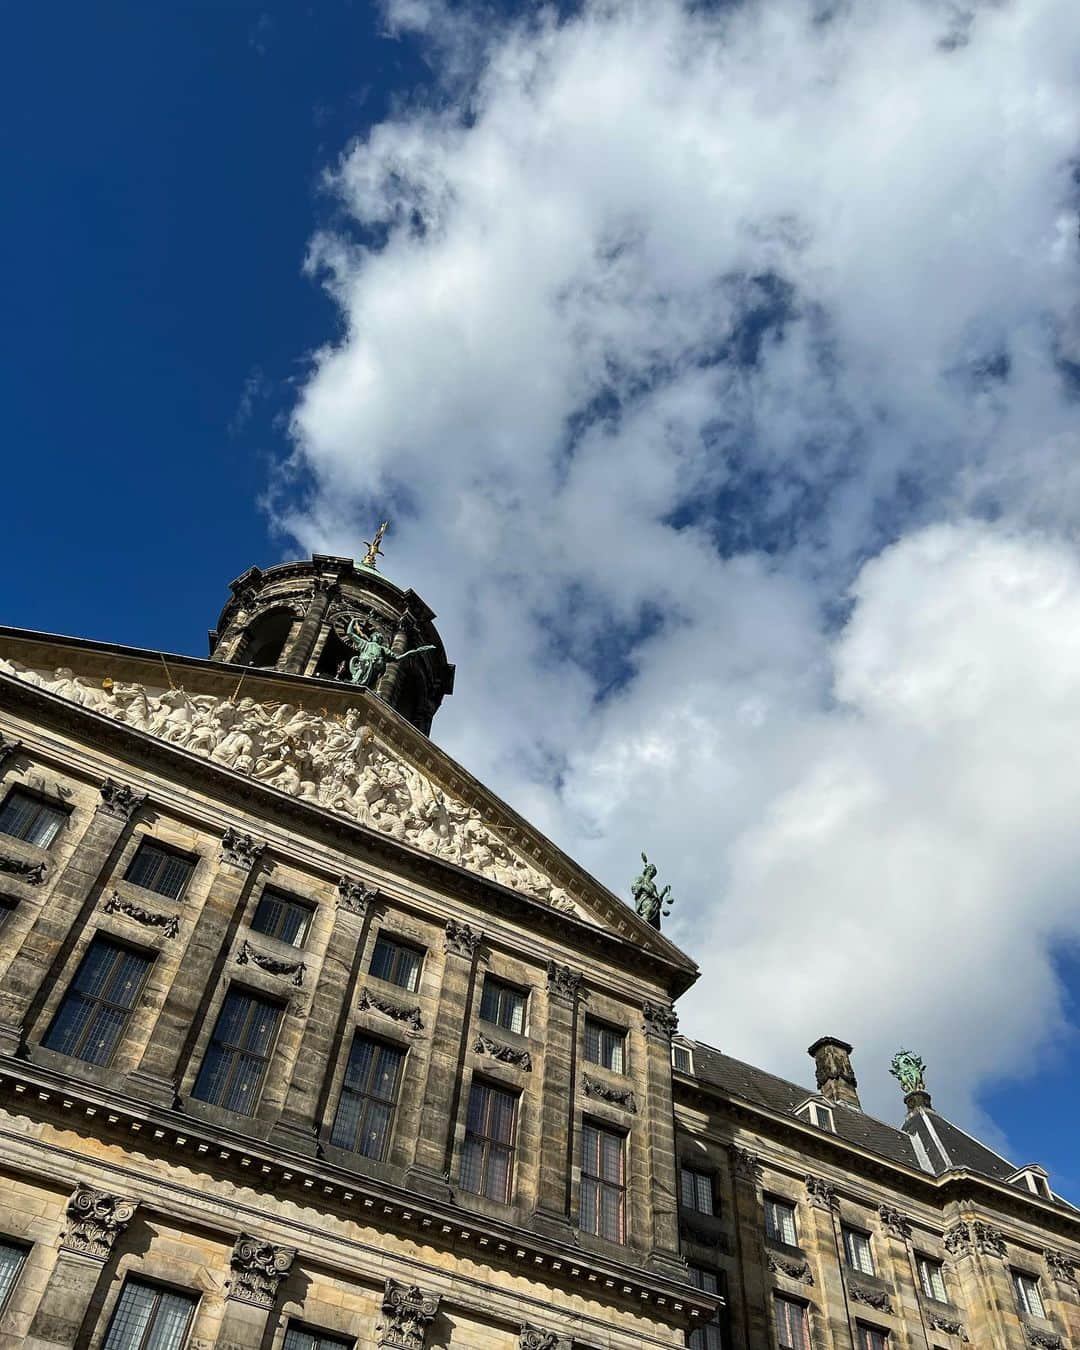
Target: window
(870, 1338)
(818, 1114)
(488, 1159)
(792, 1324)
(95, 1010)
(1028, 1297)
(713, 1336)
(365, 1113)
(780, 1221)
(682, 1059)
(26, 817)
(603, 1183)
(502, 1004)
(159, 869)
(857, 1251)
(396, 963)
(696, 1190)
(931, 1278)
(11, 1262)
(149, 1318)
(7, 908)
(1032, 1179)
(279, 916)
(300, 1338)
(605, 1045)
(235, 1064)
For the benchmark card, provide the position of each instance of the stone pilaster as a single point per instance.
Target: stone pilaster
(1064, 1291)
(752, 1315)
(95, 1221)
(977, 1255)
(449, 1037)
(173, 1037)
(30, 976)
(660, 1024)
(820, 1239)
(257, 1270)
(557, 1100)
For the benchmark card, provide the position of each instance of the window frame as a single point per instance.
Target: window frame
(781, 1204)
(924, 1264)
(367, 1098)
(700, 1183)
(598, 1185)
(159, 1288)
(504, 990)
(866, 1334)
(323, 1340)
(238, 1052)
(401, 947)
(273, 895)
(23, 1249)
(490, 1145)
(785, 1300)
(677, 1048)
(607, 1034)
(713, 1335)
(147, 843)
(857, 1243)
(1023, 1295)
(101, 1006)
(44, 806)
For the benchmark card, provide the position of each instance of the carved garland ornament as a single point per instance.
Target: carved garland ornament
(120, 800)
(400, 1012)
(623, 1097)
(407, 1314)
(873, 1298)
(1044, 1340)
(258, 1268)
(32, 873)
(505, 1054)
(96, 1220)
(794, 1270)
(330, 761)
(168, 923)
(271, 964)
(951, 1326)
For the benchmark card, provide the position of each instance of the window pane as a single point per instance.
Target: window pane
(602, 1192)
(156, 869)
(395, 963)
(26, 817)
(487, 1156)
(857, 1251)
(791, 1327)
(235, 1062)
(680, 1058)
(281, 917)
(365, 1109)
(94, 1011)
(11, 1261)
(931, 1279)
(780, 1221)
(149, 1318)
(503, 1006)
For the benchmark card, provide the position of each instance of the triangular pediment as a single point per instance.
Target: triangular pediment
(335, 747)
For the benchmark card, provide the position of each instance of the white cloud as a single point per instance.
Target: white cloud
(693, 313)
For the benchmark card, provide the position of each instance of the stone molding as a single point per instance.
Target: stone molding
(461, 940)
(119, 799)
(32, 873)
(505, 1054)
(407, 1315)
(271, 964)
(168, 923)
(95, 1220)
(820, 1194)
(563, 982)
(604, 1092)
(794, 1270)
(240, 849)
(894, 1223)
(258, 1268)
(8, 748)
(660, 1020)
(400, 1012)
(354, 897)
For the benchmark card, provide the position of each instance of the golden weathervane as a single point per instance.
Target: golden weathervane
(373, 549)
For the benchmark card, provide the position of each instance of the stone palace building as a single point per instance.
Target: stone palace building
(309, 1042)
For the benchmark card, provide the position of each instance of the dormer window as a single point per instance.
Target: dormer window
(682, 1058)
(1034, 1179)
(817, 1113)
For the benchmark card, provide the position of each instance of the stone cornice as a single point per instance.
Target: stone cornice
(412, 1213)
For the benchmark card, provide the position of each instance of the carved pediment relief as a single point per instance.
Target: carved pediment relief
(336, 761)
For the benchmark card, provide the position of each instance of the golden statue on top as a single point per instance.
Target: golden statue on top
(373, 549)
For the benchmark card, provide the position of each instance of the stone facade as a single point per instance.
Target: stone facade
(132, 1168)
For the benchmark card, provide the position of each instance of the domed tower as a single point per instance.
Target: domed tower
(334, 619)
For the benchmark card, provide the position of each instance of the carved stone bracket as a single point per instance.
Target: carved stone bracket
(354, 897)
(660, 1020)
(120, 800)
(794, 1270)
(407, 1314)
(461, 940)
(872, 1298)
(400, 1012)
(168, 923)
(744, 1163)
(257, 1270)
(8, 748)
(623, 1097)
(505, 1054)
(271, 964)
(951, 1326)
(1060, 1266)
(562, 982)
(820, 1194)
(240, 849)
(894, 1223)
(1045, 1340)
(535, 1338)
(32, 873)
(95, 1220)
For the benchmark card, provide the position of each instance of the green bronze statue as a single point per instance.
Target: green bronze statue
(908, 1070)
(648, 899)
(373, 654)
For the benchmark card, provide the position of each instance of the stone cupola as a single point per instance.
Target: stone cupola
(306, 618)
(835, 1076)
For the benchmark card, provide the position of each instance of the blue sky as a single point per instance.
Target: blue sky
(714, 367)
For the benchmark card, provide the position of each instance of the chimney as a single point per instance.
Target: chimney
(835, 1076)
